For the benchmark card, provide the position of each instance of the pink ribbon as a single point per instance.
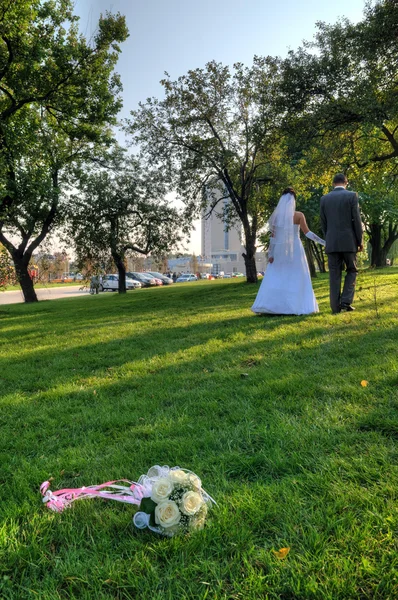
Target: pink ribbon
(61, 499)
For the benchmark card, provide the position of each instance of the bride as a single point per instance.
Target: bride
(286, 288)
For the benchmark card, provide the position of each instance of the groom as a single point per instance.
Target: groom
(342, 226)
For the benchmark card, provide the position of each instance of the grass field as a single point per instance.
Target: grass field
(268, 411)
(39, 286)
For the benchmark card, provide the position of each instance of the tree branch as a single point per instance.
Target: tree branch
(10, 52)
(7, 93)
(213, 206)
(48, 220)
(10, 247)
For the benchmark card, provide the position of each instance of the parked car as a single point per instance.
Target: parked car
(144, 279)
(111, 282)
(186, 277)
(157, 279)
(238, 275)
(166, 280)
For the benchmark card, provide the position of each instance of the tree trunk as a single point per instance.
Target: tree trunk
(250, 256)
(310, 257)
(24, 279)
(378, 256)
(319, 257)
(375, 231)
(117, 255)
(379, 250)
(121, 269)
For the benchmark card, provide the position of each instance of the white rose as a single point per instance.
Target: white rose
(161, 489)
(191, 503)
(167, 514)
(178, 476)
(195, 481)
(198, 520)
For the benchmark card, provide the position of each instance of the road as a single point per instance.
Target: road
(44, 294)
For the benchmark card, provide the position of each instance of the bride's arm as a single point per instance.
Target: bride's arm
(309, 234)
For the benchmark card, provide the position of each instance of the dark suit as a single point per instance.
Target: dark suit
(342, 226)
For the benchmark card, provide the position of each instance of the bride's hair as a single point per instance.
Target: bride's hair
(289, 190)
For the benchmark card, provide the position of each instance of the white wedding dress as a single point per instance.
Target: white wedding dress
(286, 288)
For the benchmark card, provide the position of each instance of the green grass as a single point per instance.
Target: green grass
(38, 286)
(268, 411)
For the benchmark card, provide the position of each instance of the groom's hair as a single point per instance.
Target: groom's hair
(340, 178)
(289, 190)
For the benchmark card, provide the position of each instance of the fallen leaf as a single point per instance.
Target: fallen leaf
(281, 553)
(364, 383)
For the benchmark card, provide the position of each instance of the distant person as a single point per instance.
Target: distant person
(286, 288)
(174, 277)
(342, 226)
(94, 284)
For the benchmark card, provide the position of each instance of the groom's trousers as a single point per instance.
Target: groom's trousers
(337, 261)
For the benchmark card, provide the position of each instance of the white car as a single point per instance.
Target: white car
(186, 277)
(111, 282)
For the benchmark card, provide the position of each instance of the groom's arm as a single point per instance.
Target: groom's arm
(323, 217)
(356, 220)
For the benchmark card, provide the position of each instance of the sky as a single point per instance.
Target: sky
(178, 35)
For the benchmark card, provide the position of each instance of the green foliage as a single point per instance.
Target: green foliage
(7, 273)
(218, 131)
(147, 506)
(393, 253)
(297, 453)
(340, 93)
(341, 90)
(58, 98)
(121, 211)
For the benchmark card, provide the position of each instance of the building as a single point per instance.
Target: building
(222, 246)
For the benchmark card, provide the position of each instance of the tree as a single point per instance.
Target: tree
(344, 82)
(193, 264)
(58, 97)
(393, 253)
(308, 203)
(7, 273)
(379, 206)
(340, 93)
(114, 214)
(51, 266)
(217, 135)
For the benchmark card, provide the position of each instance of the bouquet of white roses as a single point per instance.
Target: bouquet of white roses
(170, 500)
(173, 500)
